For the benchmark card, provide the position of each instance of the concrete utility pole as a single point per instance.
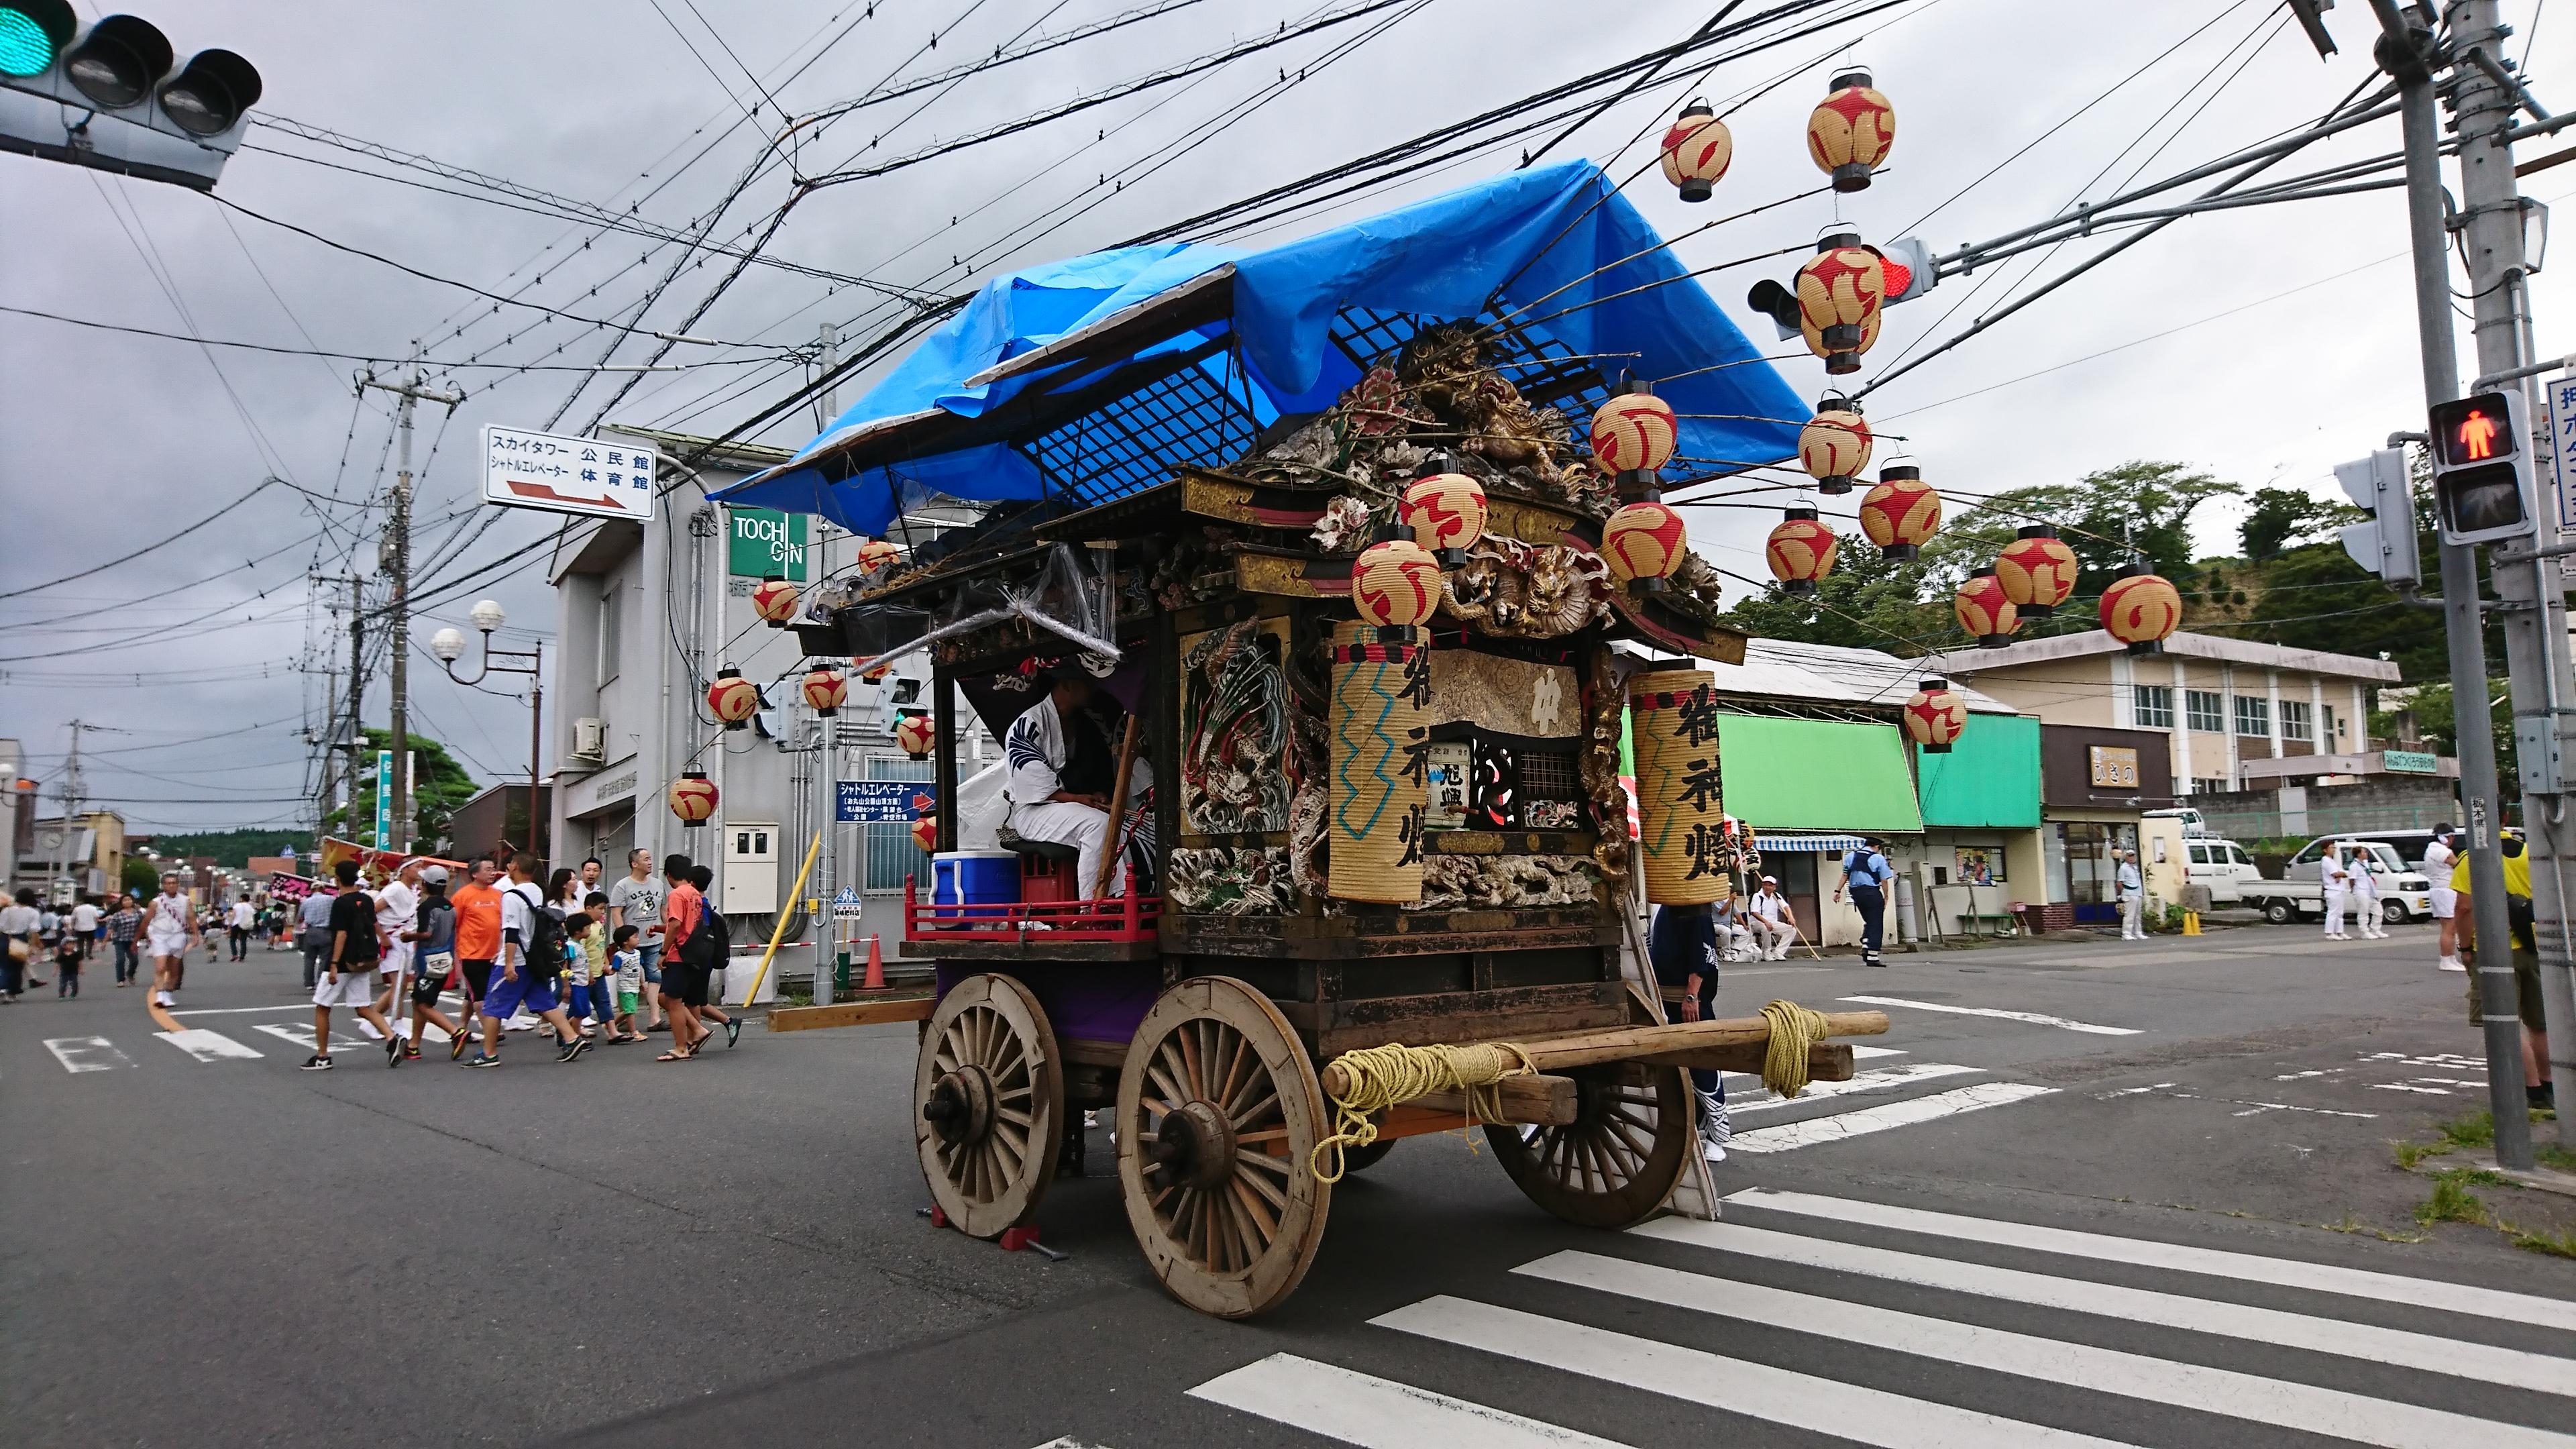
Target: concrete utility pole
(398, 566)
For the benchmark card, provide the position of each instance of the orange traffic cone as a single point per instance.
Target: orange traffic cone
(876, 966)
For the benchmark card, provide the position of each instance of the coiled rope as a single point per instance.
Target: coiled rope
(1794, 1029)
(1380, 1077)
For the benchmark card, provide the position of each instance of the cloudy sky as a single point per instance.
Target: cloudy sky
(2264, 344)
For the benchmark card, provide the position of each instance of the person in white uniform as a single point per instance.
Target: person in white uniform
(2133, 898)
(397, 915)
(1062, 771)
(2439, 857)
(2336, 876)
(2365, 893)
(1774, 926)
(169, 931)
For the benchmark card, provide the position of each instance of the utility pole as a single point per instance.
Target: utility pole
(398, 566)
(338, 732)
(352, 733)
(827, 790)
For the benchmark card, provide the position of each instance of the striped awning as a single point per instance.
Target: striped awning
(1803, 843)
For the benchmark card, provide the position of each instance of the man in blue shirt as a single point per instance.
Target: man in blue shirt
(1865, 874)
(1682, 947)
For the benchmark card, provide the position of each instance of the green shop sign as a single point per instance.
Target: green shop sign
(2409, 762)
(766, 543)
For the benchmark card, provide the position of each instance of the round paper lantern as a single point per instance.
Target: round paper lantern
(1396, 583)
(1985, 611)
(1634, 430)
(775, 600)
(1834, 446)
(876, 554)
(2141, 609)
(925, 832)
(1901, 512)
(1445, 510)
(2037, 570)
(1800, 551)
(733, 698)
(1696, 151)
(914, 735)
(825, 689)
(1850, 131)
(873, 676)
(1840, 290)
(693, 797)
(1935, 716)
(1643, 541)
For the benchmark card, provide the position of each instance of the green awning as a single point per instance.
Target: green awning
(1990, 777)
(1805, 774)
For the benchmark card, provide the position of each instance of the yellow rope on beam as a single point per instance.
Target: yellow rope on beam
(1794, 1029)
(1386, 1076)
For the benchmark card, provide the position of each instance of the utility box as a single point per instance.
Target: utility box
(750, 870)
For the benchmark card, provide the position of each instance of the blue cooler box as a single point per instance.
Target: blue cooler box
(972, 878)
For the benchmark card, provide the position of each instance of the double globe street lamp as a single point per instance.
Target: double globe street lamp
(449, 645)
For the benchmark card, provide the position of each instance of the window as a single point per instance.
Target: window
(2152, 707)
(2294, 720)
(2330, 728)
(611, 633)
(2253, 715)
(2204, 786)
(2199, 854)
(2202, 711)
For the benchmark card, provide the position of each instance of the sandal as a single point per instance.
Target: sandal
(673, 1056)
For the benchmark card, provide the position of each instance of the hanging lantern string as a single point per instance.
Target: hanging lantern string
(1668, 281)
(1544, 359)
(1723, 366)
(1657, 247)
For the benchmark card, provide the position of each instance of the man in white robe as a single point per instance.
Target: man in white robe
(1041, 752)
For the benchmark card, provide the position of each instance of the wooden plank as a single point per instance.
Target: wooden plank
(851, 1013)
(1589, 1048)
(1549, 1101)
(1827, 1061)
(1110, 1054)
(1508, 1014)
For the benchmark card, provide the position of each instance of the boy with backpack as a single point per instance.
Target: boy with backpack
(718, 951)
(532, 960)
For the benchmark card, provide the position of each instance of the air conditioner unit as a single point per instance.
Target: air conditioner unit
(589, 740)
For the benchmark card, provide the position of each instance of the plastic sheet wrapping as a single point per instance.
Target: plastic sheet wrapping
(1680, 819)
(1379, 769)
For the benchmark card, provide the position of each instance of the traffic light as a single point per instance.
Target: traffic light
(114, 97)
(2385, 544)
(2482, 483)
(1907, 262)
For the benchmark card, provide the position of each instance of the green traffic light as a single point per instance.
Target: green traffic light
(32, 33)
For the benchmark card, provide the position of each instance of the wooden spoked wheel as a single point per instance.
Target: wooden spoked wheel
(1618, 1160)
(988, 1105)
(1218, 1111)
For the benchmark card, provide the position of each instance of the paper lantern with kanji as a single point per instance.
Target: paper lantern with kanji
(775, 600)
(1835, 445)
(1985, 611)
(2038, 571)
(733, 698)
(693, 797)
(1396, 583)
(1840, 291)
(1643, 541)
(1696, 151)
(1800, 551)
(2141, 610)
(1901, 512)
(1935, 716)
(925, 832)
(1445, 510)
(1851, 130)
(825, 689)
(1634, 430)
(914, 736)
(877, 554)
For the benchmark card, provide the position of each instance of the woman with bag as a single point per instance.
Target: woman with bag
(18, 925)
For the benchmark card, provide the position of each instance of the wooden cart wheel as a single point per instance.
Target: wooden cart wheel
(988, 1098)
(1618, 1160)
(1218, 1109)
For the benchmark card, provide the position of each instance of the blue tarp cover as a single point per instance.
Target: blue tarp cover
(1440, 259)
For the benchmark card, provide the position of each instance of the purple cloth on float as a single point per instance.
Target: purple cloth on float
(1082, 1002)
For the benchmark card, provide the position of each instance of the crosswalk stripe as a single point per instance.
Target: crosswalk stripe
(2247, 1267)
(2544, 1372)
(1885, 1080)
(1760, 1391)
(2130, 1375)
(208, 1046)
(1864, 1053)
(87, 1053)
(1790, 1136)
(1358, 1408)
(2032, 1017)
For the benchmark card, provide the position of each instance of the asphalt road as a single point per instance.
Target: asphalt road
(224, 1250)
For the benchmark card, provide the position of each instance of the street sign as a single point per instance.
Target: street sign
(2409, 762)
(384, 799)
(522, 469)
(765, 543)
(878, 802)
(846, 906)
(2559, 399)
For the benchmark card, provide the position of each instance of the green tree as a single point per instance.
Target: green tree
(142, 877)
(2284, 516)
(227, 847)
(2433, 709)
(439, 787)
(2106, 517)
(1867, 602)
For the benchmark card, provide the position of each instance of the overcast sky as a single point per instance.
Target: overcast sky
(2264, 345)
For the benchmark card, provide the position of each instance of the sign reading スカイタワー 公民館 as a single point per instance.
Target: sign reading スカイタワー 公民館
(523, 469)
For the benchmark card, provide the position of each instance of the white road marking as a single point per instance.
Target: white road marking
(2330, 1412)
(2405, 1087)
(2252, 1109)
(2144, 1253)
(244, 1010)
(2543, 1372)
(1760, 1391)
(1070, 1442)
(1358, 1408)
(1886, 1080)
(208, 1046)
(87, 1053)
(2302, 1076)
(302, 1036)
(2033, 1017)
(1864, 1053)
(1790, 1136)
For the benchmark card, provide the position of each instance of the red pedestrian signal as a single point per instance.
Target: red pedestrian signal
(2474, 430)
(2483, 489)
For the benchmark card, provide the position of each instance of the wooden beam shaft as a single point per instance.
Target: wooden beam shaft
(1827, 1061)
(1619, 1044)
(851, 1013)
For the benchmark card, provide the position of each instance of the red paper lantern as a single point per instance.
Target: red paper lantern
(733, 698)
(925, 832)
(1643, 541)
(2037, 570)
(1396, 583)
(1634, 430)
(693, 797)
(1985, 611)
(1840, 291)
(1696, 151)
(825, 689)
(1851, 130)
(775, 600)
(877, 554)
(1835, 445)
(1935, 716)
(914, 736)
(2141, 610)
(1445, 510)
(1901, 512)
(1800, 551)
(873, 676)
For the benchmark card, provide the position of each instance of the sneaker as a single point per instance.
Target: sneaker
(1714, 1130)
(2452, 963)
(2544, 1096)
(411, 1052)
(566, 1051)
(482, 1059)
(393, 1051)
(162, 998)
(456, 1046)
(316, 1063)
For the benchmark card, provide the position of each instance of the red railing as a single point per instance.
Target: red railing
(1130, 917)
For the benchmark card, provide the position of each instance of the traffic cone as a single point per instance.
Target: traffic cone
(876, 965)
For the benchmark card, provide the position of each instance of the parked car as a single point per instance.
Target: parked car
(2404, 894)
(2221, 865)
(2410, 846)
(2192, 823)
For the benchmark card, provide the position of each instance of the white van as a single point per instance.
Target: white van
(2193, 826)
(2221, 865)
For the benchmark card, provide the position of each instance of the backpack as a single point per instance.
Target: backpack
(711, 944)
(542, 955)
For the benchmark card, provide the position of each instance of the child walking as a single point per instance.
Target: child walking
(68, 955)
(626, 964)
(601, 1006)
(578, 927)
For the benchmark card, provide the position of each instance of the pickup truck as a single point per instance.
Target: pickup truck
(2404, 894)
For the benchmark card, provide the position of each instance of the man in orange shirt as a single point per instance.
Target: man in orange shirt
(478, 941)
(684, 978)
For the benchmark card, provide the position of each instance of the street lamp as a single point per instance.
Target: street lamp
(449, 645)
